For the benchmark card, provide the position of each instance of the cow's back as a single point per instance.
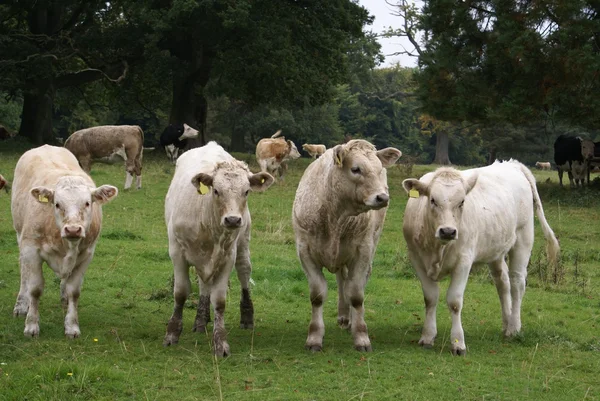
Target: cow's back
(102, 141)
(271, 147)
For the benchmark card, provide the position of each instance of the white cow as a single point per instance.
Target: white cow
(208, 225)
(338, 216)
(57, 214)
(454, 219)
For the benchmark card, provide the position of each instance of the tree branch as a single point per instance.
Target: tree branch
(88, 75)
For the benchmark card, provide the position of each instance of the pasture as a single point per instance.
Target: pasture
(126, 302)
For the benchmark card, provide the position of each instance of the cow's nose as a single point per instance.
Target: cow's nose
(73, 231)
(447, 233)
(382, 198)
(233, 221)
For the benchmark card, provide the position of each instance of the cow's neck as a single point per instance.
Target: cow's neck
(70, 259)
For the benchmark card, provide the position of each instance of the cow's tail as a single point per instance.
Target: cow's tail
(552, 246)
(276, 135)
(141, 133)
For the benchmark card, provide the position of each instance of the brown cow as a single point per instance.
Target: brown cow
(314, 150)
(2, 181)
(272, 153)
(108, 144)
(56, 209)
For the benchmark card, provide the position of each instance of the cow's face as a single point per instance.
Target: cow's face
(363, 177)
(229, 186)
(72, 201)
(188, 133)
(446, 194)
(294, 154)
(172, 153)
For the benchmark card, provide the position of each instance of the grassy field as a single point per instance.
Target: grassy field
(126, 302)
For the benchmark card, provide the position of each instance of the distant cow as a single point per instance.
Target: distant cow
(175, 138)
(454, 219)
(56, 209)
(272, 154)
(572, 154)
(338, 215)
(109, 144)
(2, 181)
(543, 165)
(314, 150)
(208, 224)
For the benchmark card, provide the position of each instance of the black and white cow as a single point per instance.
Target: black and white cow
(175, 139)
(572, 154)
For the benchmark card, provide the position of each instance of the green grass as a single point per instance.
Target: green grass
(126, 302)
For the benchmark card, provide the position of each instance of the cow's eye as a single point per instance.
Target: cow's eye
(355, 170)
(87, 204)
(216, 192)
(57, 205)
(433, 202)
(247, 192)
(462, 203)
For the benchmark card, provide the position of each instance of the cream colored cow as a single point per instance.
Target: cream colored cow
(208, 224)
(454, 219)
(338, 216)
(109, 144)
(56, 209)
(543, 165)
(314, 150)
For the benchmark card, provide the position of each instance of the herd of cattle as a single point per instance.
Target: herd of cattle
(453, 219)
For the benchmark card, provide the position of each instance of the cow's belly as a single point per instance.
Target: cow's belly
(116, 156)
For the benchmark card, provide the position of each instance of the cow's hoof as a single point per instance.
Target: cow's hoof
(343, 322)
(170, 339)
(201, 328)
(363, 348)
(72, 334)
(246, 325)
(459, 352)
(222, 350)
(426, 346)
(32, 331)
(20, 311)
(314, 348)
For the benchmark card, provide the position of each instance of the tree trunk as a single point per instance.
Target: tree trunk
(36, 116)
(238, 140)
(492, 155)
(442, 142)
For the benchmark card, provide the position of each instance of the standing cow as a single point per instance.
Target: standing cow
(338, 216)
(108, 144)
(543, 165)
(454, 219)
(573, 154)
(175, 139)
(314, 150)
(56, 209)
(272, 154)
(208, 225)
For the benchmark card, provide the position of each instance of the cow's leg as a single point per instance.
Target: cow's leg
(129, 171)
(318, 293)
(431, 295)
(454, 298)
(243, 268)
(72, 290)
(560, 176)
(181, 290)
(31, 265)
(22, 304)
(518, 260)
(137, 161)
(218, 296)
(570, 174)
(343, 305)
(203, 312)
(86, 163)
(499, 271)
(263, 166)
(354, 288)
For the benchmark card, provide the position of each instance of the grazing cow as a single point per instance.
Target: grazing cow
(572, 154)
(208, 225)
(338, 215)
(57, 214)
(272, 154)
(109, 144)
(314, 150)
(454, 219)
(543, 165)
(175, 138)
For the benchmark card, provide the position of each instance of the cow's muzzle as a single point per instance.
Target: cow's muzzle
(378, 201)
(232, 221)
(447, 233)
(73, 232)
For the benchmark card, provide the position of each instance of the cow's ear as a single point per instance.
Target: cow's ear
(260, 181)
(104, 194)
(415, 188)
(470, 182)
(388, 156)
(338, 155)
(202, 182)
(43, 194)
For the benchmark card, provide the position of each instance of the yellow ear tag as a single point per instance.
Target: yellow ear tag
(202, 189)
(42, 199)
(262, 180)
(413, 193)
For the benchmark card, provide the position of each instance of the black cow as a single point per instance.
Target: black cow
(175, 139)
(569, 157)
